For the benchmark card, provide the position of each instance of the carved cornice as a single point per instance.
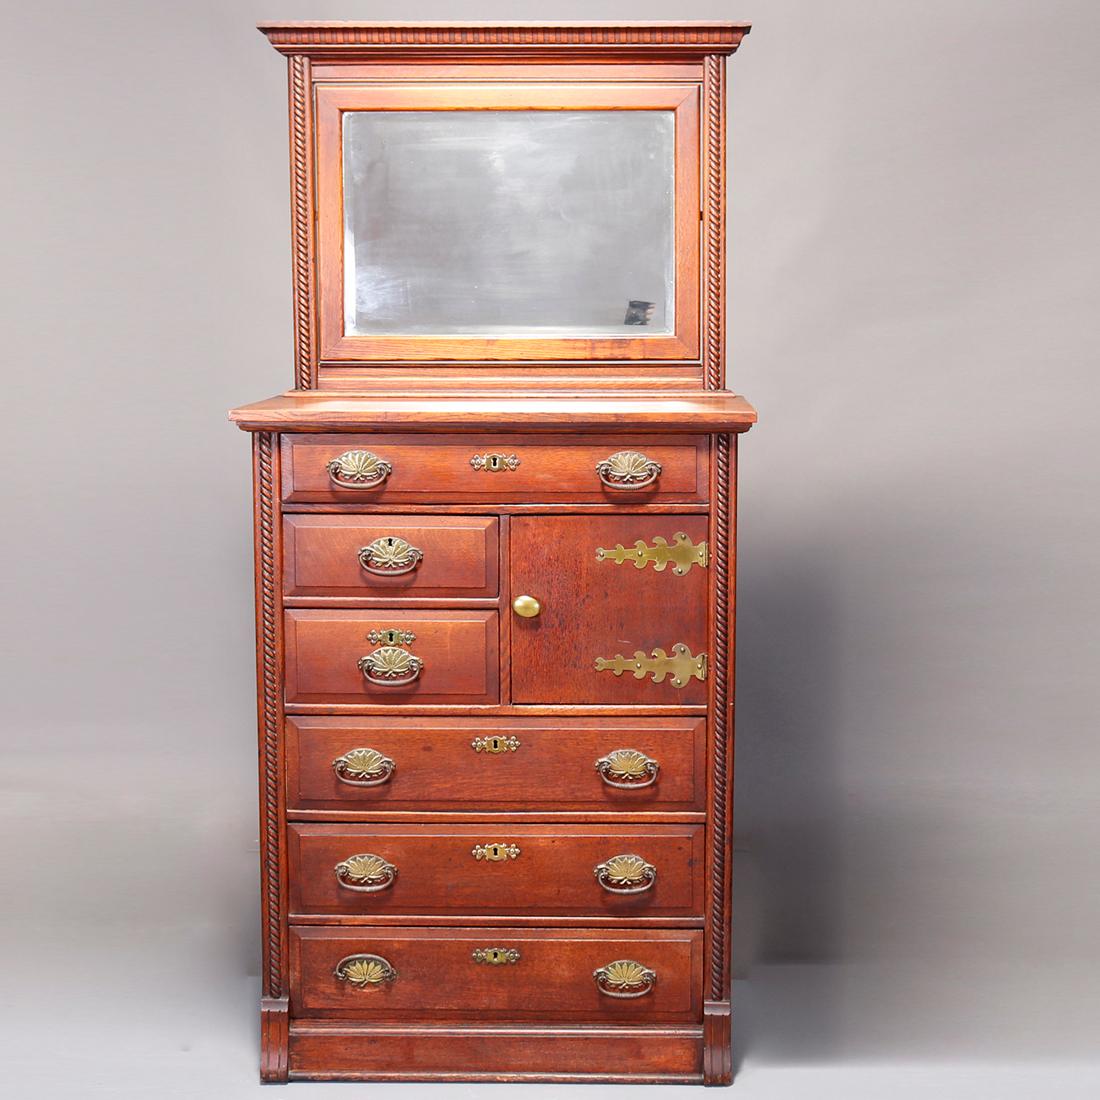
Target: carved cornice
(328, 39)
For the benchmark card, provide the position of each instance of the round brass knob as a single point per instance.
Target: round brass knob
(526, 606)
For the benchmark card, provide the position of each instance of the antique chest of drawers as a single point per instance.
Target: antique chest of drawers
(494, 572)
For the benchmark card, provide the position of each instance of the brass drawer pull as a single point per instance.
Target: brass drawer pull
(495, 956)
(364, 971)
(628, 470)
(526, 607)
(390, 556)
(625, 978)
(358, 470)
(494, 462)
(363, 768)
(626, 874)
(498, 852)
(495, 745)
(389, 666)
(683, 554)
(366, 873)
(628, 769)
(681, 666)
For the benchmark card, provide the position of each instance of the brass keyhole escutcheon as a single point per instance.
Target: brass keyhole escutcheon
(527, 607)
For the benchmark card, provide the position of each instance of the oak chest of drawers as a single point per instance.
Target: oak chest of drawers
(494, 568)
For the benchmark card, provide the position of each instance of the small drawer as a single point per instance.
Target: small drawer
(492, 974)
(484, 765)
(391, 658)
(366, 558)
(438, 469)
(501, 869)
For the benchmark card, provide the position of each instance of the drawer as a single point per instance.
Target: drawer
(436, 469)
(392, 657)
(502, 766)
(533, 870)
(387, 557)
(434, 973)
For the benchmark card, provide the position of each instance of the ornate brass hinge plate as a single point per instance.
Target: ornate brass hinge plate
(495, 853)
(495, 956)
(495, 744)
(681, 666)
(494, 462)
(682, 553)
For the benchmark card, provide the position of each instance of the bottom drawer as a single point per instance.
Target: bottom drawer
(511, 974)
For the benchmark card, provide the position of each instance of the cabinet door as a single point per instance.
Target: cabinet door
(614, 593)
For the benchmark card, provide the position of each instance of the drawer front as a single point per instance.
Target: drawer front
(425, 974)
(392, 658)
(504, 766)
(533, 469)
(533, 870)
(357, 557)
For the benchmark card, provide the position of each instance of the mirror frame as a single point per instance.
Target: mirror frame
(333, 100)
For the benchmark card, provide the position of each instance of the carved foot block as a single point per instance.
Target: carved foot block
(717, 1044)
(274, 1040)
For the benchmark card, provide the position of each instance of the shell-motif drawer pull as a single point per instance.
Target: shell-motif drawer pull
(365, 971)
(389, 666)
(625, 874)
(390, 556)
(358, 470)
(363, 768)
(628, 470)
(628, 769)
(366, 873)
(625, 978)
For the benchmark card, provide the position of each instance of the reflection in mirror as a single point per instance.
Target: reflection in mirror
(509, 223)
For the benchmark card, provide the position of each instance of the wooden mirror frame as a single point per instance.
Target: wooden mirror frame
(333, 100)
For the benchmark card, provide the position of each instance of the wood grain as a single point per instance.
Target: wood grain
(553, 874)
(459, 650)
(552, 769)
(438, 468)
(439, 981)
(460, 558)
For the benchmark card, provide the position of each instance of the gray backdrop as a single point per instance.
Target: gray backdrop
(914, 310)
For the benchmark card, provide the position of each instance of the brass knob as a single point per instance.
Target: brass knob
(526, 607)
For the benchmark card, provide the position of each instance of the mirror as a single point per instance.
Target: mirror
(551, 223)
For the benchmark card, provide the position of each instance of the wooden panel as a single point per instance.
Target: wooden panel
(331, 1050)
(552, 769)
(458, 557)
(553, 873)
(594, 608)
(459, 650)
(437, 469)
(437, 978)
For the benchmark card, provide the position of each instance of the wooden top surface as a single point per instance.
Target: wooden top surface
(323, 411)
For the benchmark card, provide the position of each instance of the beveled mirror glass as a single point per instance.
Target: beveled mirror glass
(543, 223)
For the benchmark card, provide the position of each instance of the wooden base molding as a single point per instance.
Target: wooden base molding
(717, 1044)
(628, 1055)
(274, 1040)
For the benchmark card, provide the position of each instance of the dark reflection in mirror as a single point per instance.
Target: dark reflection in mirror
(498, 223)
